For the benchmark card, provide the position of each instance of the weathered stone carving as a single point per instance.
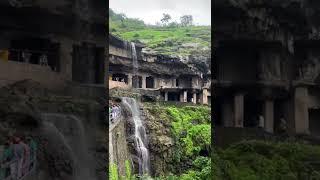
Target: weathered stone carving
(309, 70)
(270, 68)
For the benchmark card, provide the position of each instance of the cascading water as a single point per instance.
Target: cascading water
(134, 63)
(134, 57)
(140, 136)
(70, 130)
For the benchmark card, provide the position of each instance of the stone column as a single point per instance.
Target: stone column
(143, 82)
(155, 83)
(130, 80)
(181, 96)
(166, 96)
(268, 115)
(301, 115)
(66, 53)
(195, 98)
(174, 81)
(185, 96)
(205, 96)
(238, 110)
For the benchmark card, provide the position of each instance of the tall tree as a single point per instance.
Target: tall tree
(165, 19)
(186, 20)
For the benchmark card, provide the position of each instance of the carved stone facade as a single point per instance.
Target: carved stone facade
(70, 34)
(174, 80)
(276, 75)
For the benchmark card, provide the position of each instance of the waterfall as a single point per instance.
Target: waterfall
(135, 65)
(71, 132)
(134, 57)
(140, 135)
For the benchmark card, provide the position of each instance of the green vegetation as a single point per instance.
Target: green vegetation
(172, 39)
(191, 129)
(259, 160)
(113, 172)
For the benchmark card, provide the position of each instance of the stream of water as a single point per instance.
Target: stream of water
(140, 136)
(70, 131)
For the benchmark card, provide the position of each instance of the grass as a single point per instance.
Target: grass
(168, 40)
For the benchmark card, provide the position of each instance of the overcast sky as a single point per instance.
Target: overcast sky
(150, 11)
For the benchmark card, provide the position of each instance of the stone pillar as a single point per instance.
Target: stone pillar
(205, 96)
(66, 53)
(155, 83)
(130, 80)
(144, 82)
(268, 115)
(181, 96)
(185, 96)
(238, 110)
(174, 81)
(166, 96)
(301, 115)
(195, 98)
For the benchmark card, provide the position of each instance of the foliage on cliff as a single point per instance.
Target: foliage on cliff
(258, 160)
(190, 128)
(168, 40)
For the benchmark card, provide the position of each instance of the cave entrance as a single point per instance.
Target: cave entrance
(314, 121)
(252, 110)
(278, 113)
(189, 97)
(173, 96)
(150, 82)
(162, 94)
(35, 49)
(120, 77)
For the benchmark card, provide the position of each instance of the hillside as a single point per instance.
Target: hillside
(172, 39)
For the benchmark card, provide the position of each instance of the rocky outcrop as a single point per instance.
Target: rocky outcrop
(21, 107)
(161, 143)
(119, 147)
(266, 20)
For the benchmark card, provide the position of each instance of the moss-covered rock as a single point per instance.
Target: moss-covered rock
(177, 136)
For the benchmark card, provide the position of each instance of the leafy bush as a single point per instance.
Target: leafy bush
(267, 160)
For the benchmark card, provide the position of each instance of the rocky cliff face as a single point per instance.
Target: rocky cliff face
(266, 20)
(21, 113)
(161, 143)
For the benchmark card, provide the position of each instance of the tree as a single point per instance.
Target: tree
(186, 20)
(166, 18)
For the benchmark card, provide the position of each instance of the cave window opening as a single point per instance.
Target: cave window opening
(173, 96)
(209, 100)
(149, 82)
(252, 110)
(189, 97)
(162, 94)
(177, 82)
(314, 124)
(120, 77)
(35, 51)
